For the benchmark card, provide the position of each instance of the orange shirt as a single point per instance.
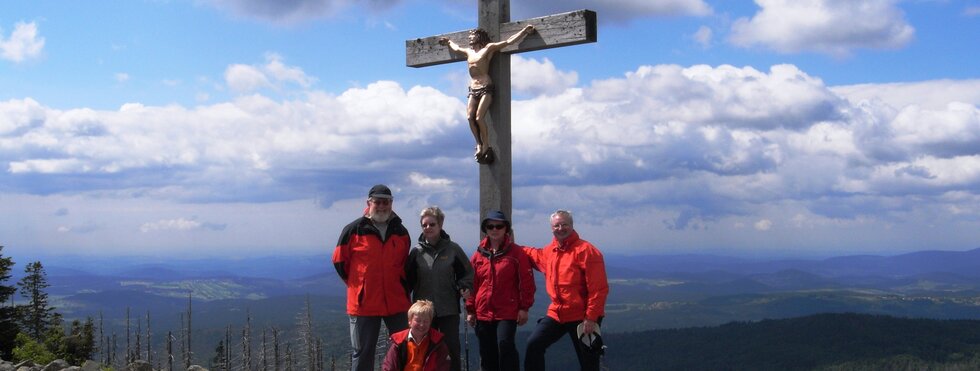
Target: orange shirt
(416, 354)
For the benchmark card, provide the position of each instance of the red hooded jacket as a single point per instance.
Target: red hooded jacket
(373, 267)
(503, 283)
(575, 277)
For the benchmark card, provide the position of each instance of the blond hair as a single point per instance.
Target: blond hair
(435, 212)
(422, 308)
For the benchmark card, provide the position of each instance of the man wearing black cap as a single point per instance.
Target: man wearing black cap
(370, 257)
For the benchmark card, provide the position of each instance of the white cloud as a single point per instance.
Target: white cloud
(23, 43)
(835, 27)
(121, 77)
(420, 180)
(665, 149)
(540, 77)
(234, 149)
(619, 11)
(703, 36)
(283, 73)
(928, 94)
(244, 79)
(179, 224)
(274, 74)
(714, 142)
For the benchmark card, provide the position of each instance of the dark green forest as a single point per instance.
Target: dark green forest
(845, 341)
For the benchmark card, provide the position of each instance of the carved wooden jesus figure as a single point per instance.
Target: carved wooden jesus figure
(480, 95)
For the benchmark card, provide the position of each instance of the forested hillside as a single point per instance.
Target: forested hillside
(825, 341)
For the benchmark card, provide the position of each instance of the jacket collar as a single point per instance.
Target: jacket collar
(567, 243)
(443, 236)
(399, 337)
(485, 247)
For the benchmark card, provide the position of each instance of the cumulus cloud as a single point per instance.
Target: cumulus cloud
(274, 74)
(294, 11)
(618, 11)
(540, 77)
(247, 148)
(715, 142)
(666, 146)
(179, 224)
(934, 94)
(22, 44)
(835, 27)
(420, 180)
(703, 36)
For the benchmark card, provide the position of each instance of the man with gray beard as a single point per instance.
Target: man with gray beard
(369, 257)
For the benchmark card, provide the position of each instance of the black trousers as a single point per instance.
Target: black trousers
(498, 351)
(550, 331)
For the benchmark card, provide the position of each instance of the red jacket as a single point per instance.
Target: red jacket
(436, 356)
(575, 277)
(503, 283)
(374, 271)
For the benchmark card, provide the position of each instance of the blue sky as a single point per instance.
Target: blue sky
(248, 127)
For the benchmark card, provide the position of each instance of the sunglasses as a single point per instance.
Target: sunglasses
(496, 226)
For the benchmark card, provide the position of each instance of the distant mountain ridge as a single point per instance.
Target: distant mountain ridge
(962, 263)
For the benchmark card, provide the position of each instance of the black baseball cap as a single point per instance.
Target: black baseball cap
(380, 191)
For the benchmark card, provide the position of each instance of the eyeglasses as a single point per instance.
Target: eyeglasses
(427, 225)
(496, 226)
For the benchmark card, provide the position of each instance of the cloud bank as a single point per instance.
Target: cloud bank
(668, 148)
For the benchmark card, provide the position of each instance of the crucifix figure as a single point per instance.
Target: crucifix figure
(572, 28)
(480, 96)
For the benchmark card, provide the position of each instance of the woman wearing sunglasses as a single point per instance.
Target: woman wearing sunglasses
(503, 292)
(438, 271)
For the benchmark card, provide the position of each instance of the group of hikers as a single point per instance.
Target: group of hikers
(375, 258)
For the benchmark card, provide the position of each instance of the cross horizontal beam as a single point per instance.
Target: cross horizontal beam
(572, 28)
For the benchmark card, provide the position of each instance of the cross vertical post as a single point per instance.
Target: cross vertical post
(564, 29)
(496, 191)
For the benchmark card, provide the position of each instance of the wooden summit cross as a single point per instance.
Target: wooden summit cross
(551, 31)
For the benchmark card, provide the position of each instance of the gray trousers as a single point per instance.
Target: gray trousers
(364, 337)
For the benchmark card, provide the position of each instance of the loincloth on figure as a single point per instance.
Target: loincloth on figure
(480, 92)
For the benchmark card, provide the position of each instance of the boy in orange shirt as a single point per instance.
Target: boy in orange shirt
(420, 347)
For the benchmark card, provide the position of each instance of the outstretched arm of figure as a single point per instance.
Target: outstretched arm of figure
(452, 46)
(513, 39)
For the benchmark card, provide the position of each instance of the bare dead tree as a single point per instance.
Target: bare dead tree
(102, 341)
(170, 349)
(139, 333)
(319, 355)
(129, 349)
(182, 341)
(112, 352)
(307, 337)
(275, 349)
(247, 342)
(189, 354)
(289, 357)
(149, 350)
(228, 348)
(262, 360)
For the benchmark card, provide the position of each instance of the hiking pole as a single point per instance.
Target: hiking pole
(466, 343)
